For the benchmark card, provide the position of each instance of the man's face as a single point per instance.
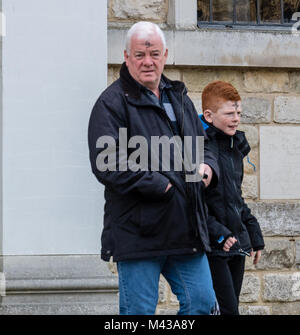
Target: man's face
(146, 60)
(227, 117)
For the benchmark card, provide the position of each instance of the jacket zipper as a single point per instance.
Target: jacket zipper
(181, 150)
(181, 130)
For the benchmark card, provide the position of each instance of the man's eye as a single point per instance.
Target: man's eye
(139, 56)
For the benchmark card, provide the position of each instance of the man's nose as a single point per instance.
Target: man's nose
(148, 60)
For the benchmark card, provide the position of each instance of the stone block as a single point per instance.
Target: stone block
(166, 311)
(286, 109)
(254, 310)
(233, 77)
(197, 100)
(173, 299)
(282, 287)
(172, 74)
(266, 81)
(256, 110)
(250, 187)
(249, 264)
(250, 289)
(195, 80)
(112, 266)
(279, 162)
(277, 218)
(251, 166)
(298, 253)
(251, 133)
(295, 81)
(278, 254)
(136, 10)
(291, 308)
(163, 290)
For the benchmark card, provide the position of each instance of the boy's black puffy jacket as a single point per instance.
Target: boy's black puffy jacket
(140, 219)
(229, 215)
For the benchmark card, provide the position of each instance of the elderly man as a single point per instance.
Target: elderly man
(154, 221)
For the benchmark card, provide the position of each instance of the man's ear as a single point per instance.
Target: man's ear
(208, 115)
(126, 56)
(166, 53)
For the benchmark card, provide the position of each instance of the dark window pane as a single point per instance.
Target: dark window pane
(246, 11)
(203, 10)
(223, 10)
(270, 11)
(290, 7)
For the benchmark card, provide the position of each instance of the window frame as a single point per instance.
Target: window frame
(252, 26)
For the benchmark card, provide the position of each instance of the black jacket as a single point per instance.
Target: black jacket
(140, 219)
(229, 215)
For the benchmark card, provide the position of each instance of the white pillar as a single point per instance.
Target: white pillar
(54, 68)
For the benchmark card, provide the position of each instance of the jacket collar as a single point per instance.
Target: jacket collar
(238, 139)
(133, 89)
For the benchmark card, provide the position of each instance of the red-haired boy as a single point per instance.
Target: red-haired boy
(234, 231)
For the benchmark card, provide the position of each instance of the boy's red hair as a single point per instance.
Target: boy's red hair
(216, 93)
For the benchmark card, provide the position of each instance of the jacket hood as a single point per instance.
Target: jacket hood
(133, 89)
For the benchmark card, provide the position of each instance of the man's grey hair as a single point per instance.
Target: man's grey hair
(143, 30)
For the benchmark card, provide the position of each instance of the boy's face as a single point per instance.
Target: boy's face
(226, 118)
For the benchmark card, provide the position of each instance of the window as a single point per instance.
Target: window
(248, 12)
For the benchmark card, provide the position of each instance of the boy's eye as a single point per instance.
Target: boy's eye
(232, 114)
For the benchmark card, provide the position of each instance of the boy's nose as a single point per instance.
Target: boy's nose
(236, 117)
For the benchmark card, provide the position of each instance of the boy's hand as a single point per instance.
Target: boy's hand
(205, 169)
(257, 256)
(229, 243)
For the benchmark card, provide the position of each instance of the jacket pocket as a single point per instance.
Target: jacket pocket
(155, 214)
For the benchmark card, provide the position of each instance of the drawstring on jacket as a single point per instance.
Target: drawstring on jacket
(248, 160)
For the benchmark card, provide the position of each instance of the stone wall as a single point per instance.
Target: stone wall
(271, 100)
(136, 10)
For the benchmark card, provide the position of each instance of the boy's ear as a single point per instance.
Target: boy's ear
(208, 115)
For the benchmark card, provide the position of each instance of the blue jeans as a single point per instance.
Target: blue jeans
(189, 278)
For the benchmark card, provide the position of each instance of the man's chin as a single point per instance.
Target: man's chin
(150, 83)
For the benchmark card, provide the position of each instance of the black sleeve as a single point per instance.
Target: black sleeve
(106, 119)
(209, 154)
(218, 233)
